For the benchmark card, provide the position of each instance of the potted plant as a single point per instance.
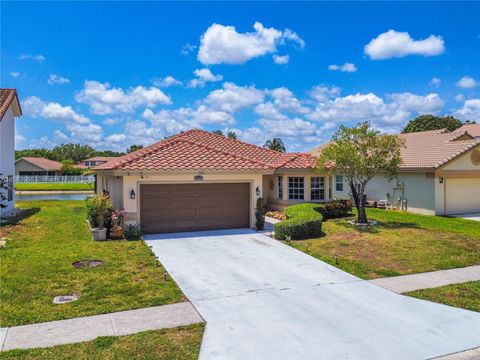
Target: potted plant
(116, 232)
(101, 206)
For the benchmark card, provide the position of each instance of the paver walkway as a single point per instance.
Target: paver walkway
(405, 283)
(90, 327)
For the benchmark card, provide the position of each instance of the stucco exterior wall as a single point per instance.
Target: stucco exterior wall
(275, 203)
(133, 182)
(7, 151)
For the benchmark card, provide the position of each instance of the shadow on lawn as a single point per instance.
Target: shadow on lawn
(24, 214)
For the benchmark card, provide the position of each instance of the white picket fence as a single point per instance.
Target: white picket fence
(71, 179)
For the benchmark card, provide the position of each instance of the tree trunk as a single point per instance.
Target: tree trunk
(360, 201)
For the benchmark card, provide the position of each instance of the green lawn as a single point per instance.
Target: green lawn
(36, 266)
(402, 243)
(53, 187)
(170, 344)
(466, 295)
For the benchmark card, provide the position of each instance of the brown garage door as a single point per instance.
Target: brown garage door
(188, 207)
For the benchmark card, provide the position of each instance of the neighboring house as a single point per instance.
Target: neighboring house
(9, 109)
(197, 180)
(94, 161)
(472, 129)
(440, 174)
(31, 166)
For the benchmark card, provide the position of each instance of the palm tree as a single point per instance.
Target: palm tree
(275, 144)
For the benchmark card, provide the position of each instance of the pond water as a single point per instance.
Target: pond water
(36, 197)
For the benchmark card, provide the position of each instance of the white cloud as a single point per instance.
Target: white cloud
(435, 82)
(90, 134)
(187, 48)
(459, 97)
(19, 138)
(202, 77)
(57, 79)
(222, 44)
(347, 67)
(285, 100)
(14, 74)
(37, 58)
(173, 121)
(233, 98)
(110, 121)
(394, 44)
(370, 107)
(60, 136)
(467, 82)
(323, 93)
(167, 81)
(103, 99)
(35, 107)
(281, 59)
(116, 138)
(469, 111)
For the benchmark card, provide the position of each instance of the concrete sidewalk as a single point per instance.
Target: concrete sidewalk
(405, 283)
(90, 327)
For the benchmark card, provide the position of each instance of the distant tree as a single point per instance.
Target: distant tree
(432, 122)
(74, 152)
(232, 135)
(218, 132)
(275, 144)
(358, 153)
(45, 153)
(108, 153)
(68, 168)
(134, 147)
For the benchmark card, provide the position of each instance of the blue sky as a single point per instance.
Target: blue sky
(112, 74)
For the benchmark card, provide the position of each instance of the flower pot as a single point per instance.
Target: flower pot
(116, 233)
(99, 234)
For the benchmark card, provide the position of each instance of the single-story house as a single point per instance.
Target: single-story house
(197, 180)
(32, 166)
(9, 109)
(94, 161)
(440, 174)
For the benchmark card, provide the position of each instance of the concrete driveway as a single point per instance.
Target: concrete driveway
(264, 300)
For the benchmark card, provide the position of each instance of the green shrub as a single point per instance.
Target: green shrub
(303, 221)
(336, 209)
(133, 232)
(99, 210)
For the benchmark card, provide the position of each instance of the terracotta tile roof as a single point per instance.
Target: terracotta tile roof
(43, 163)
(100, 158)
(203, 150)
(472, 129)
(6, 98)
(429, 149)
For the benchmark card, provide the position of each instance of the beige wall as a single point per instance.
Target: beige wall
(463, 162)
(114, 186)
(274, 203)
(132, 206)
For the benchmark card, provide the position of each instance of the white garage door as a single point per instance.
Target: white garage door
(462, 196)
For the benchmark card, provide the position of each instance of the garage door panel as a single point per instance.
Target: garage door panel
(462, 195)
(188, 207)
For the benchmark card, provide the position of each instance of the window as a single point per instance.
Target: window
(296, 188)
(339, 183)
(280, 187)
(10, 188)
(317, 188)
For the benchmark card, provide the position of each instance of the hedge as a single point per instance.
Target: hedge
(336, 209)
(303, 221)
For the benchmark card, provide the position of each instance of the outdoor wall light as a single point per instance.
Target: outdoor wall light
(132, 194)
(441, 180)
(198, 178)
(257, 191)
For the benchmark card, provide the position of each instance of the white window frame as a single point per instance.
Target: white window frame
(317, 188)
(296, 188)
(339, 183)
(280, 187)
